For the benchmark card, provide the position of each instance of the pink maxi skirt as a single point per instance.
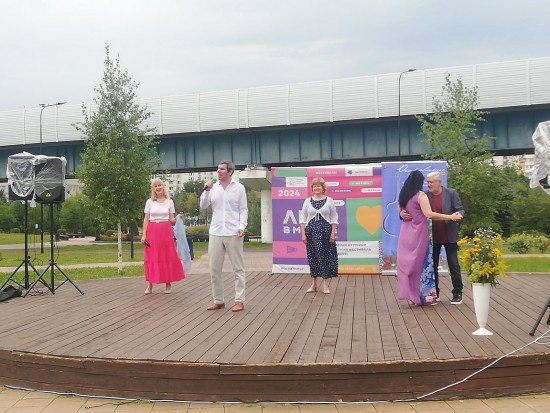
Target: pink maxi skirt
(161, 262)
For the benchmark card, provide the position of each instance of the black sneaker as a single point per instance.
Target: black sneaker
(457, 299)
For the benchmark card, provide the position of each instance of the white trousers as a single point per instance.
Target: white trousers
(217, 247)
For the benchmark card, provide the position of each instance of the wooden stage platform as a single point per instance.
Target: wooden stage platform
(358, 343)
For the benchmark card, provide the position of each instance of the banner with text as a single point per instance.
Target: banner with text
(393, 177)
(357, 192)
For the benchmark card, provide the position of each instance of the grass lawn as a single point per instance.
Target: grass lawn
(107, 252)
(72, 254)
(6, 238)
(95, 253)
(527, 264)
(79, 274)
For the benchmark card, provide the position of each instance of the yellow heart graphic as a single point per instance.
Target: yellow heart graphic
(370, 218)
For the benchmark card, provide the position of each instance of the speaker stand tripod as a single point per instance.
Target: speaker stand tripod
(26, 260)
(546, 307)
(52, 266)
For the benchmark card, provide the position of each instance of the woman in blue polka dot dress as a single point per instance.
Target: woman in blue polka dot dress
(318, 221)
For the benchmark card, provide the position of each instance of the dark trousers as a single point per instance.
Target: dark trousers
(454, 267)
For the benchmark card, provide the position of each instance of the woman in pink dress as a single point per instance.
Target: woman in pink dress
(160, 259)
(414, 261)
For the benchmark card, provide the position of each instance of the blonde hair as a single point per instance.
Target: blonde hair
(319, 181)
(153, 193)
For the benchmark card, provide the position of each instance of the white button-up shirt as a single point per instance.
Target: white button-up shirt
(229, 208)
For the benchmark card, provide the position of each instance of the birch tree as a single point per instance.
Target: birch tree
(120, 151)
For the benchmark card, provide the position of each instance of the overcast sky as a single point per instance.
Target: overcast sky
(53, 50)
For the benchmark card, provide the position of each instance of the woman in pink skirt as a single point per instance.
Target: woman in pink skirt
(161, 262)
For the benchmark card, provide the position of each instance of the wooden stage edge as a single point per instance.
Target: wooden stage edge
(359, 343)
(330, 382)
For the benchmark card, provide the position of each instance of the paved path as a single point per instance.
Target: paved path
(22, 401)
(253, 261)
(61, 243)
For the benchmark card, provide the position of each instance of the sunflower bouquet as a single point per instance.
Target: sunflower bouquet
(480, 256)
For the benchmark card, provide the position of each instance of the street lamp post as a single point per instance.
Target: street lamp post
(44, 106)
(399, 113)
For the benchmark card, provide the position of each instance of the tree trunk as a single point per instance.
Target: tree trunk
(132, 239)
(119, 247)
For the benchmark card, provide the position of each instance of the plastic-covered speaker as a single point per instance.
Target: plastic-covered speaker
(21, 176)
(49, 179)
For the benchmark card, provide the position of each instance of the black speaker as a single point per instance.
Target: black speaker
(49, 179)
(12, 196)
(544, 182)
(51, 196)
(20, 177)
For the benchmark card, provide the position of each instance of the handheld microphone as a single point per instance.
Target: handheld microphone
(214, 180)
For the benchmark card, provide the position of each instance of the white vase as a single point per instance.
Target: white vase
(482, 295)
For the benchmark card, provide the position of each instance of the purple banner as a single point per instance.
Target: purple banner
(394, 175)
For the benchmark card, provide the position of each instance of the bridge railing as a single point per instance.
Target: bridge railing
(500, 85)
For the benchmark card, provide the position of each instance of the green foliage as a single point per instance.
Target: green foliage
(254, 226)
(522, 243)
(194, 186)
(76, 215)
(120, 151)
(511, 185)
(540, 243)
(17, 210)
(451, 131)
(197, 233)
(15, 218)
(519, 243)
(7, 220)
(186, 202)
(529, 210)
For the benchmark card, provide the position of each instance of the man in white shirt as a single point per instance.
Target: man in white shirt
(229, 219)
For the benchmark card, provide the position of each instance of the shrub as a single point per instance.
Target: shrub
(519, 243)
(126, 237)
(105, 237)
(15, 231)
(113, 237)
(197, 233)
(540, 242)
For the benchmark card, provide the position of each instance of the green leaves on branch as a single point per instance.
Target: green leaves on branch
(120, 149)
(453, 133)
(451, 130)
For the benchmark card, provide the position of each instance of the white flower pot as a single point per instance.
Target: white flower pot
(482, 295)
